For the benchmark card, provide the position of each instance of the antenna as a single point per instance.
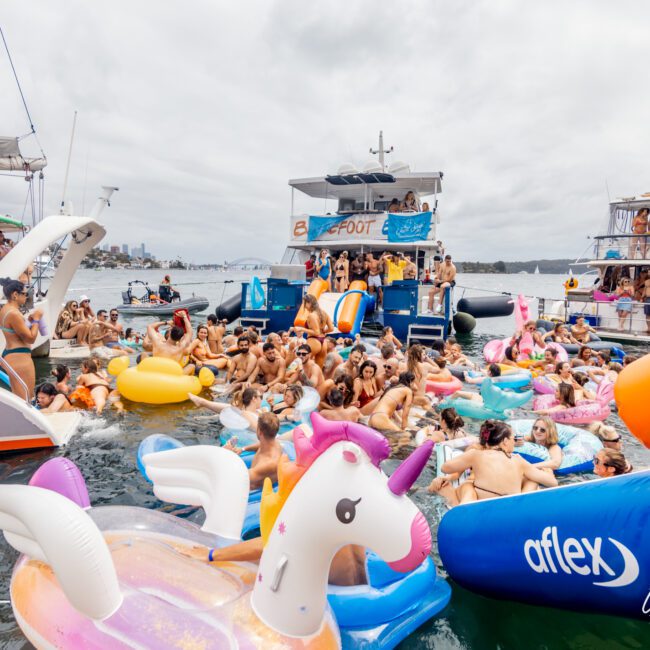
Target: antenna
(381, 151)
(67, 168)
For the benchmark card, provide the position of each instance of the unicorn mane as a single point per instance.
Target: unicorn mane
(326, 433)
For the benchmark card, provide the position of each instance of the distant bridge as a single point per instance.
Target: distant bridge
(248, 263)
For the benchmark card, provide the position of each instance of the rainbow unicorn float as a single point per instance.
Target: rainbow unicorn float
(126, 577)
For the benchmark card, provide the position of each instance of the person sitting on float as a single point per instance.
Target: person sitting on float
(455, 356)
(608, 371)
(496, 470)
(582, 392)
(608, 435)
(396, 398)
(493, 370)
(609, 462)
(511, 354)
(267, 451)
(581, 330)
(548, 363)
(563, 374)
(544, 433)
(559, 334)
(450, 427)
(530, 329)
(49, 400)
(566, 398)
(247, 400)
(584, 356)
(286, 408)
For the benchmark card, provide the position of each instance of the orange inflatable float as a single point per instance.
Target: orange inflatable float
(631, 392)
(350, 307)
(316, 288)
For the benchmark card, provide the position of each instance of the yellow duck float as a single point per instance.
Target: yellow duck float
(156, 380)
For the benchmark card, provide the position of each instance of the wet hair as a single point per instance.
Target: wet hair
(493, 433)
(90, 365)
(615, 459)
(296, 391)
(334, 397)
(347, 381)
(367, 364)
(567, 394)
(387, 350)
(268, 346)
(48, 389)
(580, 378)
(10, 286)
(238, 331)
(212, 319)
(494, 370)
(603, 431)
(508, 354)
(551, 430)
(268, 425)
(176, 333)
(60, 371)
(451, 418)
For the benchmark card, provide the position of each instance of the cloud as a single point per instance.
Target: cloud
(201, 112)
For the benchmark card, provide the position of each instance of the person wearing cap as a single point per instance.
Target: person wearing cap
(84, 305)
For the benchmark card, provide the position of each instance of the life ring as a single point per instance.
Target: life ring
(444, 387)
(578, 447)
(570, 284)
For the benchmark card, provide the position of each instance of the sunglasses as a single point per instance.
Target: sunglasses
(540, 429)
(614, 439)
(114, 315)
(302, 354)
(74, 305)
(23, 293)
(597, 461)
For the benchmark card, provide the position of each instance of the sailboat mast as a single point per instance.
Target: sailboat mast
(67, 168)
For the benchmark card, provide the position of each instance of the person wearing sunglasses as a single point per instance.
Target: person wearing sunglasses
(311, 375)
(19, 337)
(72, 324)
(84, 303)
(609, 462)
(544, 433)
(608, 435)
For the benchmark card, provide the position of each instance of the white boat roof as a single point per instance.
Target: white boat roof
(632, 202)
(384, 184)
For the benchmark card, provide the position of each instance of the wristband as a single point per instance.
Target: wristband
(211, 555)
(36, 322)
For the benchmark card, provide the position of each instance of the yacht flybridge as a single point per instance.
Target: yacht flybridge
(364, 210)
(618, 253)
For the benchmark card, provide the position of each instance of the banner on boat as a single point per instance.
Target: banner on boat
(375, 226)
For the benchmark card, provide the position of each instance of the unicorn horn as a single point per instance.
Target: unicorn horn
(407, 473)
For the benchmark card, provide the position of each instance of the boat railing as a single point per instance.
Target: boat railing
(622, 247)
(601, 315)
(14, 375)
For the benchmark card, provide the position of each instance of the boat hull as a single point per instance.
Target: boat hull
(193, 305)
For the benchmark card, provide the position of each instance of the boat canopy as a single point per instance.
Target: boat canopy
(7, 224)
(13, 161)
(383, 185)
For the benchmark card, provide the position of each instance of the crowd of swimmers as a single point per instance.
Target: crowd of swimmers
(381, 386)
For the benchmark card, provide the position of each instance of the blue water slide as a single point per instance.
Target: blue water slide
(582, 546)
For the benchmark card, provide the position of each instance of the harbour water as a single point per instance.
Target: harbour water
(105, 451)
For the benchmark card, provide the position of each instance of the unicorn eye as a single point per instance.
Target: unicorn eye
(346, 510)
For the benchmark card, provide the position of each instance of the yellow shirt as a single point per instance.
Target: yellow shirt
(395, 271)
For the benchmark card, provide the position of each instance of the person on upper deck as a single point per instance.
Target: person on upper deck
(640, 230)
(394, 206)
(410, 203)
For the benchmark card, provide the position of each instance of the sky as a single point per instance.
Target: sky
(201, 111)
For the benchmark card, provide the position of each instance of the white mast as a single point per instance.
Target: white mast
(67, 169)
(381, 151)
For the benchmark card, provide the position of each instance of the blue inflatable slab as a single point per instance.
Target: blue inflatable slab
(152, 444)
(582, 546)
(391, 607)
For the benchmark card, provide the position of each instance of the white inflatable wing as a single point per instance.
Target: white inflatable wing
(47, 526)
(202, 475)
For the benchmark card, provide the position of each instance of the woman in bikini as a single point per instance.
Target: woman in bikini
(201, 355)
(640, 232)
(317, 326)
(388, 336)
(341, 273)
(72, 324)
(96, 383)
(286, 408)
(544, 433)
(417, 364)
(496, 470)
(19, 336)
(62, 375)
(395, 398)
(566, 397)
(366, 390)
(49, 400)
(341, 380)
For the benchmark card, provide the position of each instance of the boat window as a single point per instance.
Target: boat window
(350, 205)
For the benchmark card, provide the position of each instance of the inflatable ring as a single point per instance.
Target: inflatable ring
(444, 387)
(584, 412)
(578, 447)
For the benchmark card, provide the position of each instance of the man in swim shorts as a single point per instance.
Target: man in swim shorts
(270, 369)
(242, 365)
(99, 336)
(446, 278)
(374, 276)
(267, 451)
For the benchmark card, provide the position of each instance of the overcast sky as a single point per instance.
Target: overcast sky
(201, 111)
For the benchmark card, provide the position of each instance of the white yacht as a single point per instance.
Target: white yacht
(617, 253)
